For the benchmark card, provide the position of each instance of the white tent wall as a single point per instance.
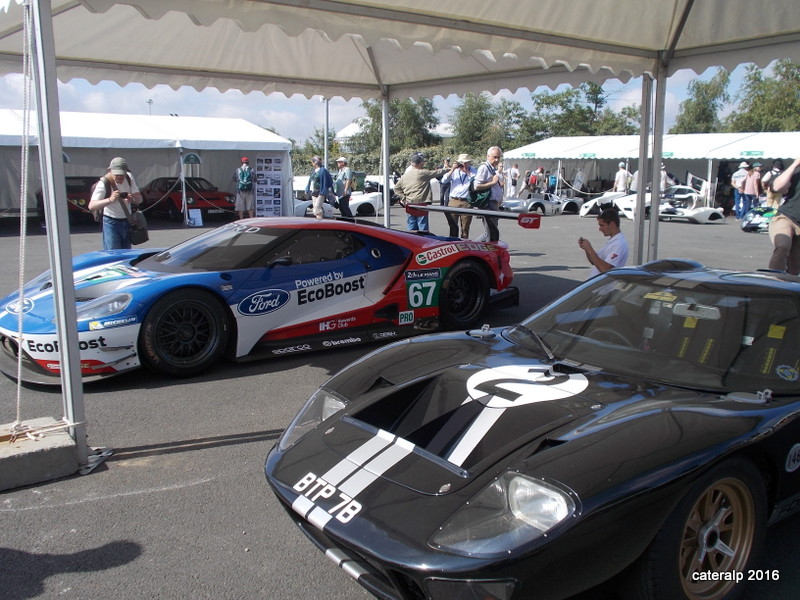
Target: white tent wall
(151, 146)
(698, 153)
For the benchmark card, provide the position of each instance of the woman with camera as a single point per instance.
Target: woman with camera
(116, 187)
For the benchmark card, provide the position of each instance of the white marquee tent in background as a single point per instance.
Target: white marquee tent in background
(597, 156)
(384, 49)
(153, 146)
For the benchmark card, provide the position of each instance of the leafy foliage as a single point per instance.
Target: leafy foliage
(768, 103)
(699, 113)
(577, 111)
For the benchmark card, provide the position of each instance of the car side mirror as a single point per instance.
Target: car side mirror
(283, 261)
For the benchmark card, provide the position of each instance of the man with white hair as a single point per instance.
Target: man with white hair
(488, 178)
(621, 179)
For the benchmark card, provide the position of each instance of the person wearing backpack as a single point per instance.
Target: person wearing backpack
(767, 181)
(245, 189)
(117, 186)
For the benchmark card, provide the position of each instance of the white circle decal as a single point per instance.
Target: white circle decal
(516, 385)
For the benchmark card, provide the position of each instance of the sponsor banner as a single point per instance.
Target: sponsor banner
(331, 289)
(436, 254)
(337, 323)
(95, 325)
(423, 274)
(102, 351)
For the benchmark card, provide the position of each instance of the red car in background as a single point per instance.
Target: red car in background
(164, 195)
(79, 192)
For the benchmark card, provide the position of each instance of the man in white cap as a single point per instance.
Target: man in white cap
(114, 188)
(621, 179)
(343, 185)
(737, 183)
(460, 175)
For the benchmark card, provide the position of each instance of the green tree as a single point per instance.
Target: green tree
(314, 146)
(411, 125)
(768, 103)
(576, 111)
(475, 126)
(699, 113)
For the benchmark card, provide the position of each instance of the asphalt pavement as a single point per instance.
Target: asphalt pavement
(182, 509)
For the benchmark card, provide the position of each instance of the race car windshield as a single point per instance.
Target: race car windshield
(234, 246)
(680, 332)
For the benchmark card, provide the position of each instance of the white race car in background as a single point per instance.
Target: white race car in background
(624, 203)
(366, 203)
(544, 203)
(684, 203)
(678, 202)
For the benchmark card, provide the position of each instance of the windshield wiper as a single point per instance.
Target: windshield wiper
(539, 340)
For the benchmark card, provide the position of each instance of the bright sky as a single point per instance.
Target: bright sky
(295, 117)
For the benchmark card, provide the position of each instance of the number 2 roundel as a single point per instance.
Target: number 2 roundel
(517, 385)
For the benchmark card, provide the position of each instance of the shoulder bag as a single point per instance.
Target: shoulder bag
(138, 231)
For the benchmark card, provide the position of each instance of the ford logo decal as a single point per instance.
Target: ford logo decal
(14, 307)
(263, 302)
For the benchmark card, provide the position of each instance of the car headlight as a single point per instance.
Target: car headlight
(511, 512)
(322, 405)
(103, 306)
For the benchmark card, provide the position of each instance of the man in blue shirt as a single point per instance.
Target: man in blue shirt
(460, 175)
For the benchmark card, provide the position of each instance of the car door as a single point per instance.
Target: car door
(312, 275)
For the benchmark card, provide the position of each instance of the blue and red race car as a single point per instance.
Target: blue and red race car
(254, 288)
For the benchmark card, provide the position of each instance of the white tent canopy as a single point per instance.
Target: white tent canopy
(413, 48)
(748, 145)
(151, 144)
(596, 156)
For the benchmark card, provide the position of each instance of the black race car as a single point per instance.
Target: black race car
(642, 430)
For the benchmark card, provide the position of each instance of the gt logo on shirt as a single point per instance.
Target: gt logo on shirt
(329, 290)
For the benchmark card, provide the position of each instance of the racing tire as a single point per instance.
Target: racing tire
(537, 207)
(464, 296)
(365, 210)
(174, 213)
(184, 333)
(718, 527)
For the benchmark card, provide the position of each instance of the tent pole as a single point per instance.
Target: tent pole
(58, 241)
(184, 208)
(641, 183)
(387, 194)
(658, 139)
(325, 136)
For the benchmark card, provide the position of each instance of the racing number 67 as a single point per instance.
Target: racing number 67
(420, 293)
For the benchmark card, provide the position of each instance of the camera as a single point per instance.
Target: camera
(123, 195)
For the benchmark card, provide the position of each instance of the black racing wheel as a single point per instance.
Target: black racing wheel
(464, 296)
(184, 333)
